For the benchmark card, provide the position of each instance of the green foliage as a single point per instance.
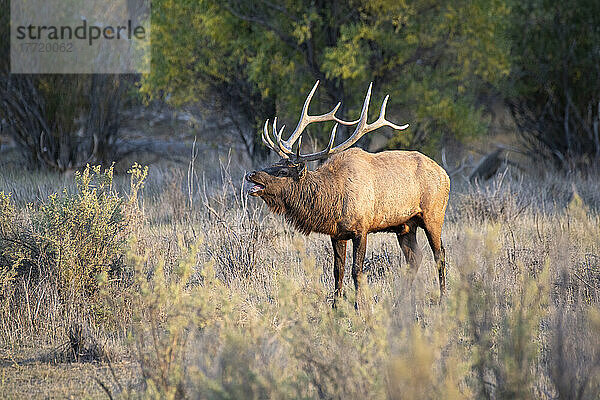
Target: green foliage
(84, 231)
(434, 59)
(74, 239)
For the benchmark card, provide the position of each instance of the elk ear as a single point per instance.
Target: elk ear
(301, 170)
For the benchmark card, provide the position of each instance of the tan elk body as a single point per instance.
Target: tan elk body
(355, 193)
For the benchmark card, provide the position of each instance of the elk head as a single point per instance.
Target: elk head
(271, 181)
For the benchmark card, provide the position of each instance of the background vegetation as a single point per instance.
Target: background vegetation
(434, 59)
(450, 68)
(446, 65)
(556, 80)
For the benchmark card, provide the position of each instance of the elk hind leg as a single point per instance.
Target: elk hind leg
(410, 248)
(433, 231)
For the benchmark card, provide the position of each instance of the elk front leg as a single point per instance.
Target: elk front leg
(359, 247)
(339, 261)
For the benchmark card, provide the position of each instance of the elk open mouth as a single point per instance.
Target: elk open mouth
(256, 189)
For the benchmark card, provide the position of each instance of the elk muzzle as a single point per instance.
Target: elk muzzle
(256, 188)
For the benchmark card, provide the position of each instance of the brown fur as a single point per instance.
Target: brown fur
(355, 193)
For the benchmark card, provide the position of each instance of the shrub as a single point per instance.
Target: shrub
(57, 254)
(199, 336)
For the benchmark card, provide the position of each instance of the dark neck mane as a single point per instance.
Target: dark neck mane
(312, 204)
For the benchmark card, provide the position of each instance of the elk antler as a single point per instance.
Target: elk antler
(284, 148)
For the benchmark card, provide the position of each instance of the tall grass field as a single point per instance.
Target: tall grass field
(169, 283)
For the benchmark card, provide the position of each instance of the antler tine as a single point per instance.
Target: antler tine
(278, 133)
(299, 148)
(362, 128)
(381, 121)
(323, 153)
(332, 137)
(306, 119)
(268, 142)
(265, 136)
(363, 112)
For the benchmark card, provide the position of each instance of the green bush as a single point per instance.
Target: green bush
(83, 233)
(73, 238)
(61, 251)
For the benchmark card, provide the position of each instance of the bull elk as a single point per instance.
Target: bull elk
(355, 192)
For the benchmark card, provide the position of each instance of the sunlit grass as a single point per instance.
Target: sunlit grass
(217, 298)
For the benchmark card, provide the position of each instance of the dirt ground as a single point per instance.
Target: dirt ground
(26, 373)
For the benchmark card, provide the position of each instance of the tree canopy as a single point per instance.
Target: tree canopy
(555, 79)
(440, 61)
(435, 59)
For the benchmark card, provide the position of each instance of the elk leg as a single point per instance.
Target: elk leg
(339, 259)
(359, 248)
(434, 236)
(410, 248)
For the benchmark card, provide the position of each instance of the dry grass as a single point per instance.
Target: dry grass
(220, 299)
(26, 374)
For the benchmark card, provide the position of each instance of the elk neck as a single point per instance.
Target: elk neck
(313, 204)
